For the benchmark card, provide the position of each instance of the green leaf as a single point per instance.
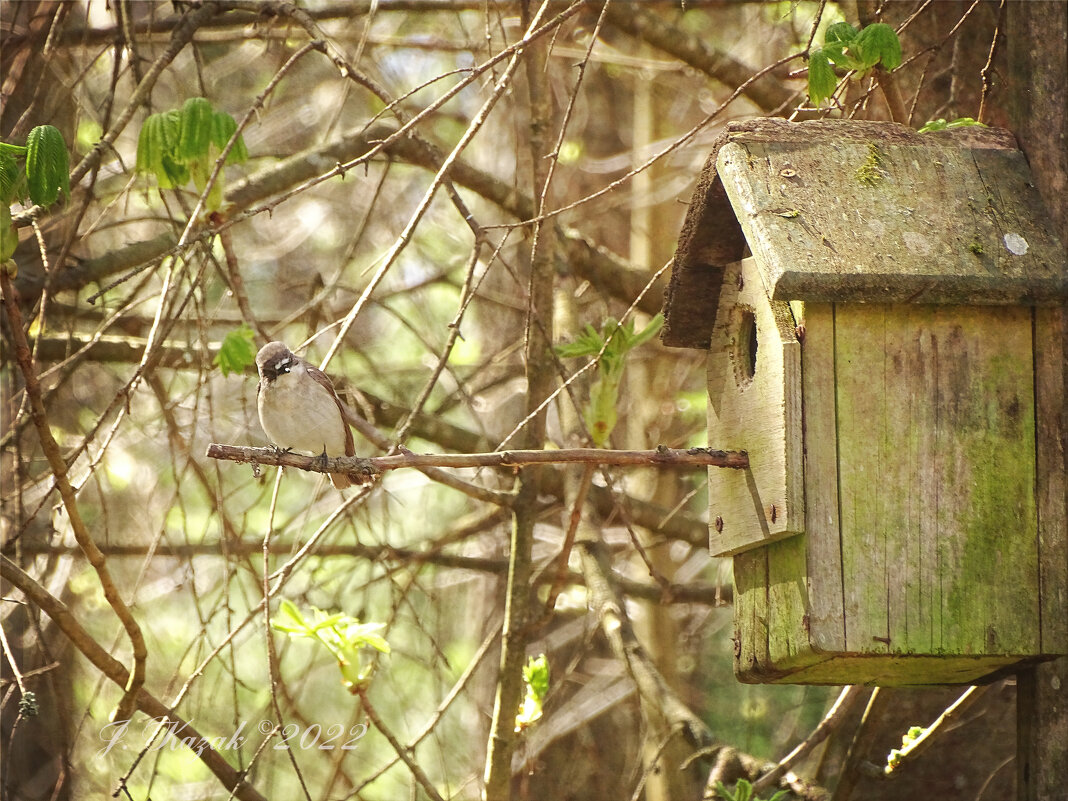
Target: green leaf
(237, 352)
(536, 676)
(836, 41)
(940, 124)
(934, 125)
(840, 32)
(588, 343)
(611, 346)
(47, 165)
(821, 78)
(156, 150)
(647, 333)
(222, 128)
(194, 131)
(149, 145)
(11, 179)
(343, 636)
(291, 612)
(966, 122)
(878, 44)
(536, 679)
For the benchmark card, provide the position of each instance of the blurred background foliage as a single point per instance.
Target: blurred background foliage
(124, 326)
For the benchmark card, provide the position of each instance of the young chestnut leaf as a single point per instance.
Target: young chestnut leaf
(180, 144)
(194, 130)
(47, 165)
(878, 44)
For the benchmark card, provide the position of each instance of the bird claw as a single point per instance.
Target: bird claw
(322, 459)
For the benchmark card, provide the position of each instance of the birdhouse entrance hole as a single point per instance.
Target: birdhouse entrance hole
(745, 344)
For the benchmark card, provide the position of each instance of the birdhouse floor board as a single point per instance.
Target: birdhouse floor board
(898, 671)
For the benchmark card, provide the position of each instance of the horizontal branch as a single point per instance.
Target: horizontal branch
(661, 457)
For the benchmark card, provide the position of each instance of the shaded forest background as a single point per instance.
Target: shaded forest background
(436, 193)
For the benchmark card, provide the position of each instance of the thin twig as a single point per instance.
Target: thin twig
(403, 752)
(988, 68)
(919, 745)
(653, 689)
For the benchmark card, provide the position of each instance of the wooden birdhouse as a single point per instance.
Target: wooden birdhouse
(892, 356)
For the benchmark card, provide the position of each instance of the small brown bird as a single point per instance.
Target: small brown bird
(299, 409)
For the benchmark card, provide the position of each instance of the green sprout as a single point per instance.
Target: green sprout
(610, 347)
(908, 742)
(743, 791)
(536, 679)
(184, 143)
(941, 125)
(343, 636)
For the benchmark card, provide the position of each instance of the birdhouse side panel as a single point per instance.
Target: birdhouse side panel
(936, 439)
(754, 403)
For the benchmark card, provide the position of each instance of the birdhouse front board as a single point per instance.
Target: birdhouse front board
(892, 358)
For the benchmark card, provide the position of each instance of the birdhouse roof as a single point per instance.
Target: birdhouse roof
(875, 212)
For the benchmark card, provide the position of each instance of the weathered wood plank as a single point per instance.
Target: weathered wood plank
(890, 670)
(824, 553)
(788, 607)
(751, 613)
(1052, 495)
(754, 392)
(937, 471)
(842, 220)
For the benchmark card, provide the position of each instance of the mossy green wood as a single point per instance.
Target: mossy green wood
(920, 561)
(936, 426)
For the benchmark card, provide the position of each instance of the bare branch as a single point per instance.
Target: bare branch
(233, 780)
(652, 688)
(831, 720)
(660, 457)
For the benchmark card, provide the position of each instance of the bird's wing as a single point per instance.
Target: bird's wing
(324, 380)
